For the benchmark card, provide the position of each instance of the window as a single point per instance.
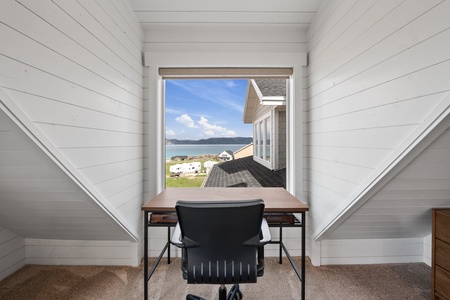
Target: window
(263, 140)
(220, 68)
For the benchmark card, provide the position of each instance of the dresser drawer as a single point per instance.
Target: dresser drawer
(443, 226)
(442, 282)
(442, 253)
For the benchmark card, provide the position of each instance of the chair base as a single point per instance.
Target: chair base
(234, 294)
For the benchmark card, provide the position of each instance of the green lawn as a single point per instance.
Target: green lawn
(186, 181)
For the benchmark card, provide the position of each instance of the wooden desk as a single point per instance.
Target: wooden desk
(276, 200)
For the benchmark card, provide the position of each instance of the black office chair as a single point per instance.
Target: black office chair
(222, 243)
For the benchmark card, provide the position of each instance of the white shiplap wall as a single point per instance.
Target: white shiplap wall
(377, 73)
(402, 208)
(218, 37)
(204, 26)
(173, 42)
(72, 73)
(41, 202)
(12, 252)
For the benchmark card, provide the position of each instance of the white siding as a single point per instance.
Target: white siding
(12, 253)
(73, 72)
(377, 71)
(281, 138)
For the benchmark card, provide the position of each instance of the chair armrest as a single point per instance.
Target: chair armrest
(176, 236)
(266, 236)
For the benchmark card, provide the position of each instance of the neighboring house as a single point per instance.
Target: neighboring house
(244, 172)
(245, 151)
(226, 155)
(82, 119)
(265, 108)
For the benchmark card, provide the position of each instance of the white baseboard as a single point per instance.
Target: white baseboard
(427, 244)
(12, 253)
(67, 252)
(372, 251)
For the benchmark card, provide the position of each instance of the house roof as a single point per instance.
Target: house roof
(272, 87)
(269, 91)
(229, 152)
(244, 172)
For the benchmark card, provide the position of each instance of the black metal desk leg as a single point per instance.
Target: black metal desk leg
(168, 248)
(303, 253)
(146, 215)
(280, 260)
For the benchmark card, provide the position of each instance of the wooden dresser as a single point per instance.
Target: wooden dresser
(440, 265)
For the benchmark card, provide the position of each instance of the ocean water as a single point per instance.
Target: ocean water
(193, 150)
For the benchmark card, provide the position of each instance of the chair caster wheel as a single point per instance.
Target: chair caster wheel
(238, 296)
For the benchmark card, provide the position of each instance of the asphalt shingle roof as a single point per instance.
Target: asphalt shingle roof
(244, 172)
(272, 87)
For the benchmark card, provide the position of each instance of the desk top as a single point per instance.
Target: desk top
(275, 199)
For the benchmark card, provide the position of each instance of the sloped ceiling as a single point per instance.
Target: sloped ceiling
(38, 200)
(402, 208)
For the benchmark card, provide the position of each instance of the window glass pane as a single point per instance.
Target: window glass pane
(257, 140)
(268, 125)
(261, 139)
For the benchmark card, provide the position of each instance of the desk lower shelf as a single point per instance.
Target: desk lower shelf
(170, 218)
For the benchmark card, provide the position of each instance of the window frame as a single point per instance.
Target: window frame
(260, 139)
(154, 108)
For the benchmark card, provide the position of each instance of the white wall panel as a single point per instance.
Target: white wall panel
(67, 252)
(217, 37)
(102, 24)
(403, 206)
(72, 71)
(340, 14)
(331, 47)
(20, 78)
(76, 117)
(266, 6)
(372, 251)
(44, 58)
(376, 75)
(387, 29)
(427, 243)
(12, 253)
(120, 21)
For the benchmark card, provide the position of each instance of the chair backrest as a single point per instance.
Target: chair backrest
(221, 240)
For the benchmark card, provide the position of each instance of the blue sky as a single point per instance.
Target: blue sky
(200, 109)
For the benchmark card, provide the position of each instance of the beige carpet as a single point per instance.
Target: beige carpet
(392, 281)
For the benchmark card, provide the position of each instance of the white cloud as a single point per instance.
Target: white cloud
(230, 84)
(170, 132)
(186, 120)
(214, 130)
(173, 111)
